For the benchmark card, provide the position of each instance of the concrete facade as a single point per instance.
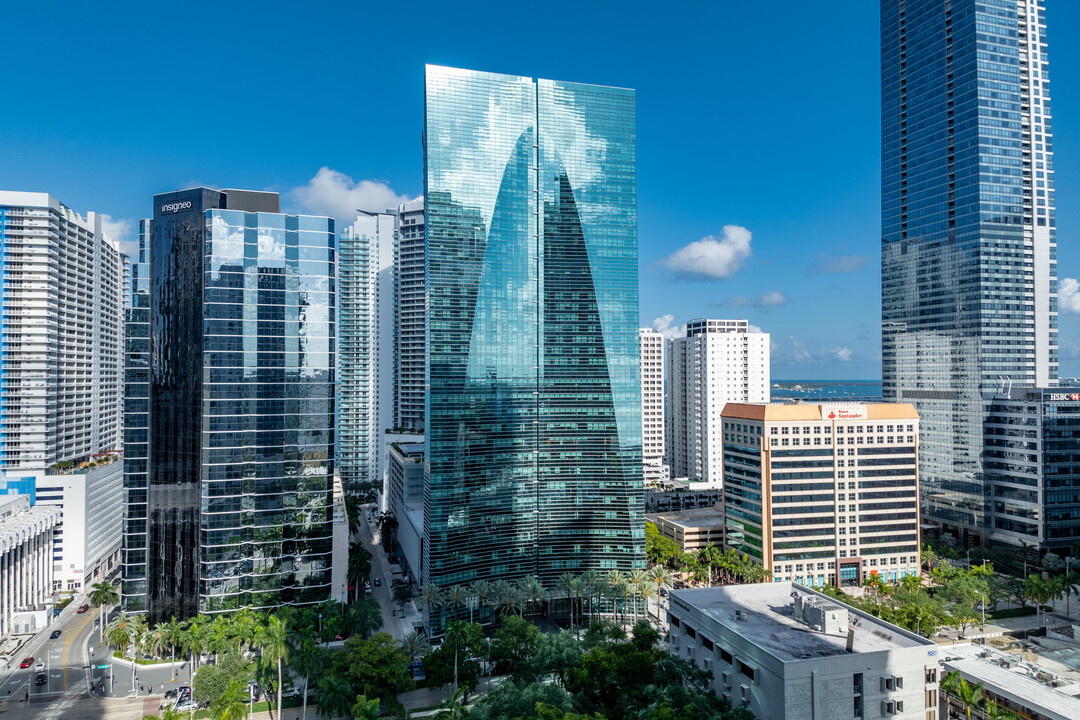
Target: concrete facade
(792, 653)
(719, 361)
(823, 494)
(692, 529)
(26, 572)
(653, 449)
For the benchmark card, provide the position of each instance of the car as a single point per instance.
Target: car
(55, 634)
(185, 705)
(367, 589)
(170, 694)
(663, 592)
(40, 667)
(378, 582)
(41, 679)
(82, 609)
(27, 662)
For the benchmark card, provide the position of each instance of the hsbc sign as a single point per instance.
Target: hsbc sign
(1058, 397)
(844, 412)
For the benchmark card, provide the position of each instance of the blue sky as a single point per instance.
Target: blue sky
(758, 127)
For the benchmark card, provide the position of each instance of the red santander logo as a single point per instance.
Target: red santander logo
(832, 416)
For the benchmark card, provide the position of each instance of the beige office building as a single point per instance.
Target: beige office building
(693, 528)
(823, 493)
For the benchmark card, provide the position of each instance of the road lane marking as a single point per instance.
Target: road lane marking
(70, 637)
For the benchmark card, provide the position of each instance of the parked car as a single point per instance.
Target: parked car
(186, 705)
(40, 667)
(55, 634)
(663, 592)
(82, 609)
(27, 662)
(41, 679)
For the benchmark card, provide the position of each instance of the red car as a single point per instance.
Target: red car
(27, 662)
(82, 609)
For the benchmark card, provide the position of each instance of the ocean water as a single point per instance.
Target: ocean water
(807, 390)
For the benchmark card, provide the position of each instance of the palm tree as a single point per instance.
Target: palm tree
(103, 593)
(334, 697)
(364, 618)
(563, 585)
(457, 633)
(591, 578)
(660, 577)
(308, 659)
(431, 596)
(233, 703)
(1070, 583)
(648, 592)
(509, 599)
(614, 580)
(273, 642)
(359, 567)
(173, 636)
(138, 632)
(364, 709)
(637, 580)
(968, 695)
(1025, 553)
(532, 590)
(577, 591)
(456, 596)
(119, 632)
(481, 590)
(415, 645)
(156, 639)
(195, 635)
(992, 711)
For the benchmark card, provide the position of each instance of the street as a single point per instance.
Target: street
(393, 621)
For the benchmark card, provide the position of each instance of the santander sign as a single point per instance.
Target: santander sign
(845, 412)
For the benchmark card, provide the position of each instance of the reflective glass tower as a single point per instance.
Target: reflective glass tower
(533, 406)
(969, 275)
(240, 427)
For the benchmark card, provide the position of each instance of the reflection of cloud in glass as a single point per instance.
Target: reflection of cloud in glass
(227, 243)
(271, 247)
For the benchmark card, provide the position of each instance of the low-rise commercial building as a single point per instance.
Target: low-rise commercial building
(823, 493)
(792, 653)
(1013, 683)
(692, 529)
(26, 571)
(406, 504)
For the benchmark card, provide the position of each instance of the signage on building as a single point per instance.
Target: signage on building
(844, 412)
(1064, 396)
(175, 207)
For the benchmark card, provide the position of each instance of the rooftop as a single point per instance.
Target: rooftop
(691, 517)
(841, 411)
(767, 619)
(1020, 680)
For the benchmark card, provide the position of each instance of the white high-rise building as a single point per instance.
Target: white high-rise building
(366, 347)
(61, 414)
(62, 334)
(409, 315)
(651, 345)
(717, 362)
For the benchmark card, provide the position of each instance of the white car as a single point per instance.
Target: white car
(40, 667)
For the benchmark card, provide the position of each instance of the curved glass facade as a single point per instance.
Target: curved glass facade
(534, 430)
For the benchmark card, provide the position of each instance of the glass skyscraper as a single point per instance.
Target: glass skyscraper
(969, 274)
(533, 405)
(240, 433)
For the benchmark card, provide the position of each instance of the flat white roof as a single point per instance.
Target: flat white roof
(1015, 679)
(771, 625)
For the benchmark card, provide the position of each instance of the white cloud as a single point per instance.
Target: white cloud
(799, 353)
(669, 331)
(337, 195)
(842, 354)
(121, 231)
(846, 264)
(1069, 295)
(755, 329)
(712, 256)
(772, 298)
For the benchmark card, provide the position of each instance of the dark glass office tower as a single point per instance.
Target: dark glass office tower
(969, 275)
(241, 417)
(533, 407)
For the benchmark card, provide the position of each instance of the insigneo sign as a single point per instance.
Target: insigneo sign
(845, 412)
(176, 206)
(1064, 396)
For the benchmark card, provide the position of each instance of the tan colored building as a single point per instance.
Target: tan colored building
(692, 529)
(823, 493)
